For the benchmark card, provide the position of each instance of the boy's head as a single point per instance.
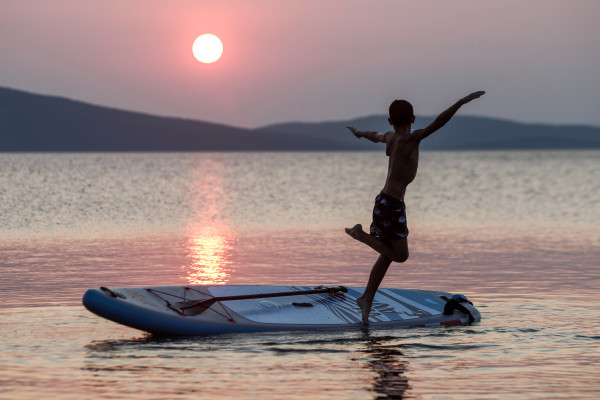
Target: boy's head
(401, 113)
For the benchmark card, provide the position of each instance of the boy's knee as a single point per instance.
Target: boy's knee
(400, 257)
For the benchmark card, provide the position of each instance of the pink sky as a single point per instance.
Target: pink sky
(309, 60)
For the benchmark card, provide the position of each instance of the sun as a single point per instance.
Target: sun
(207, 48)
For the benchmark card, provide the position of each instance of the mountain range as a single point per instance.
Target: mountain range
(32, 122)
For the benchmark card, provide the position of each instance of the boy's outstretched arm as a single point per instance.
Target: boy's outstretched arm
(376, 137)
(445, 116)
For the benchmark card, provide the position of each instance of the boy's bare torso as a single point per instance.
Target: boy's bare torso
(403, 153)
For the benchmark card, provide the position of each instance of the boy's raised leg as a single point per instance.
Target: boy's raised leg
(356, 232)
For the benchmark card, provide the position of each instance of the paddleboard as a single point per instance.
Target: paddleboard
(215, 309)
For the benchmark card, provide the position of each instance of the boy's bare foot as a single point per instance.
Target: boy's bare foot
(365, 308)
(355, 231)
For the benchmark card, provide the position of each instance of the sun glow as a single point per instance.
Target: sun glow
(207, 48)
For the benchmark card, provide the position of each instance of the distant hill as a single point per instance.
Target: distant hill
(461, 133)
(31, 122)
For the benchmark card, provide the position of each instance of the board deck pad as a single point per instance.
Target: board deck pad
(191, 310)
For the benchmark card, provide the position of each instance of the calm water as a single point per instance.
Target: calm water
(517, 232)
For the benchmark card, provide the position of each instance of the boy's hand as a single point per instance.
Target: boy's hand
(472, 96)
(354, 131)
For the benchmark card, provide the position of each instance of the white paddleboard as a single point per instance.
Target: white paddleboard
(204, 310)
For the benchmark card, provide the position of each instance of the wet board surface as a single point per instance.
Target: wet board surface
(198, 310)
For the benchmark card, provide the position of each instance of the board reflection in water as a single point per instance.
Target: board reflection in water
(389, 365)
(330, 363)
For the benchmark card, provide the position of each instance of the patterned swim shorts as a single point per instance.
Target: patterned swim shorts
(389, 218)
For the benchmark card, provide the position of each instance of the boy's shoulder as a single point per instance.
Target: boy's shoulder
(397, 137)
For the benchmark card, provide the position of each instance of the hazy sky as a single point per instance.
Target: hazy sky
(309, 60)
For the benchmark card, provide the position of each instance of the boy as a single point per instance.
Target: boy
(388, 232)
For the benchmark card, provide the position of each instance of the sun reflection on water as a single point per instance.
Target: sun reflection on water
(210, 240)
(210, 257)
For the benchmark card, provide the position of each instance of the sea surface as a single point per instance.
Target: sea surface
(516, 232)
